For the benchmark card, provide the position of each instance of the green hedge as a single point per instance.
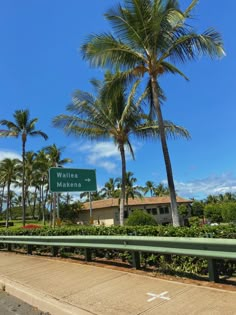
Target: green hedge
(220, 231)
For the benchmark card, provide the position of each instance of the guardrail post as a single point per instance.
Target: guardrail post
(54, 251)
(212, 270)
(9, 247)
(88, 254)
(135, 260)
(29, 249)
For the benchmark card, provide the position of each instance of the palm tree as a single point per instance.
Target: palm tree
(147, 35)
(8, 173)
(131, 190)
(22, 127)
(149, 188)
(53, 154)
(211, 199)
(115, 118)
(30, 173)
(161, 190)
(87, 196)
(110, 189)
(40, 182)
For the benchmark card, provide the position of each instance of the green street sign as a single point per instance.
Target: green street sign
(71, 179)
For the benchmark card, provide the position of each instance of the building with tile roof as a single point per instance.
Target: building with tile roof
(106, 211)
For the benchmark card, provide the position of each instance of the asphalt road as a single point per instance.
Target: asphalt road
(10, 305)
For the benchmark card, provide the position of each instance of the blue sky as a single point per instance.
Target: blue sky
(41, 66)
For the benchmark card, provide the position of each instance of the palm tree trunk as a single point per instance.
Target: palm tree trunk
(23, 179)
(43, 205)
(123, 183)
(34, 202)
(8, 203)
(2, 196)
(175, 216)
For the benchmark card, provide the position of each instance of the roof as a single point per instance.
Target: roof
(145, 201)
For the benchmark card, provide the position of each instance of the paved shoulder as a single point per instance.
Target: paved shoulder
(67, 288)
(10, 305)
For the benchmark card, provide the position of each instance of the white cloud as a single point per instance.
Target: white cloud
(102, 154)
(211, 185)
(9, 154)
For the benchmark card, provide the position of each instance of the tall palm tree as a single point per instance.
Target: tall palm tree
(54, 156)
(148, 37)
(115, 118)
(55, 160)
(8, 172)
(22, 126)
(30, 173)
(40, 182)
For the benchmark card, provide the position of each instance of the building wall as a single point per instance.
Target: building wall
(161, 213)
(106, 217)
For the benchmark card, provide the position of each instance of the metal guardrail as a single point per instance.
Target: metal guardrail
(208, 248)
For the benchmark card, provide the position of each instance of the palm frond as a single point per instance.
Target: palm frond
(172, 69)
(190, 8)
(105, 50)
(39, 133)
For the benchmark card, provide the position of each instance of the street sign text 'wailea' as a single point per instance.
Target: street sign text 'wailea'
(71, 179)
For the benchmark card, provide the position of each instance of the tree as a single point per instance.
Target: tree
(149, 188)
(161, 190)
(30, 173)
(40, 183)
(110, 189)
(53, 153)
(146, 37)
(90, 195)
(139, 217)
(197, 208)
(8, 173)
(212, 211)
(22, 126)
(70, 212)
(100, 117)
(228, 211)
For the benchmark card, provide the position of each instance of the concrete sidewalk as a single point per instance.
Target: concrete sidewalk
(63, 287)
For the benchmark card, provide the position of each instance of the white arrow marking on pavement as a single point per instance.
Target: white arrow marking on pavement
(87, 179)
(160, 296)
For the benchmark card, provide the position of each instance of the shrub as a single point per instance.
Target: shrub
(139, 217)
(194, 221)
(213, 212)
(183, 210)
(197, 208)
(228, 211)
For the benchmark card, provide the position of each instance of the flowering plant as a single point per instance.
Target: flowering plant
(31, 226)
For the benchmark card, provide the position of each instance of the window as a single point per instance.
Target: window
(164, 210)
(152, 211)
